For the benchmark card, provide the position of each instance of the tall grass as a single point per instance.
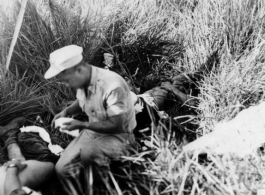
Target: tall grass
(220, 42)
(37, 39)
(143, 40)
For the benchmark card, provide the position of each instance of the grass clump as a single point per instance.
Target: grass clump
(143, 47)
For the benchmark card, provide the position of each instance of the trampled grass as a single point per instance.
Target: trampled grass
(221, 42)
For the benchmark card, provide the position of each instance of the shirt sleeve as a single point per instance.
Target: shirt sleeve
(116, 102)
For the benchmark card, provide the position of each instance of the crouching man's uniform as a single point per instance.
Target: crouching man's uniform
(106, 99)
(108, 95)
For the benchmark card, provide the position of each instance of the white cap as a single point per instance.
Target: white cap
(62, 59)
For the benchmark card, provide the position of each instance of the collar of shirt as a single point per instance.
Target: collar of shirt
(91, 89)
(93, 80)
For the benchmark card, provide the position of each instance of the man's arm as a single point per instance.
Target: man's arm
(111, 126)
(116, 108)
(74, 108)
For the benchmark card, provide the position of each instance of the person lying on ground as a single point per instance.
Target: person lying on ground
(20, 172)
(106, 99)
(161, 98)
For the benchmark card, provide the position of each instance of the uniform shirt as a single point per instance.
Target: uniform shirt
(107, 95)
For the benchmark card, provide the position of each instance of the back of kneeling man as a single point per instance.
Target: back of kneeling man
(106, 99)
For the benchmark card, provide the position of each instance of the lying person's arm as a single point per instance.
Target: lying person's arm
(12, 181)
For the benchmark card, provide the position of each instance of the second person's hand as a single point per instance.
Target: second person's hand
(73, 125)
(59, 115)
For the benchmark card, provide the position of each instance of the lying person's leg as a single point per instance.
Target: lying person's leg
(8, 134)
(161, 95)
(36, 173)
(31, 174)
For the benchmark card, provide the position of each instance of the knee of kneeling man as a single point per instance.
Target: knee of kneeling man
(59, 169)
(88, 155)
(94, 157)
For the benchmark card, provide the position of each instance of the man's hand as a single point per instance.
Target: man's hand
(59, 115)
(20, 165)
(73, 125)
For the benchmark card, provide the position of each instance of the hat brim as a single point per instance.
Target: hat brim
(51, 72)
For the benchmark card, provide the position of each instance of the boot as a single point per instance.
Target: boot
(8, 133)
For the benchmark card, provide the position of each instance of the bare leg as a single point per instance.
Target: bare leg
(33, 176)
(36, 173)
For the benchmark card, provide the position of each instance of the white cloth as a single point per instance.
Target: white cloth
(59, 123)
(241, 136)
(56, 149)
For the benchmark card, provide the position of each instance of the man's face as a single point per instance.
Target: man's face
(70, 78)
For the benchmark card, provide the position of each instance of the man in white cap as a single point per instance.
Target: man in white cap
(105, 97)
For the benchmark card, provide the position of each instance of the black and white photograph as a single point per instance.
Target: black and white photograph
(132, 97)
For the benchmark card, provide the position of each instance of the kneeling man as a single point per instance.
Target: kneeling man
(106, 99)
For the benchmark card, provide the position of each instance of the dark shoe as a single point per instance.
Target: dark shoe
(8, 133)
